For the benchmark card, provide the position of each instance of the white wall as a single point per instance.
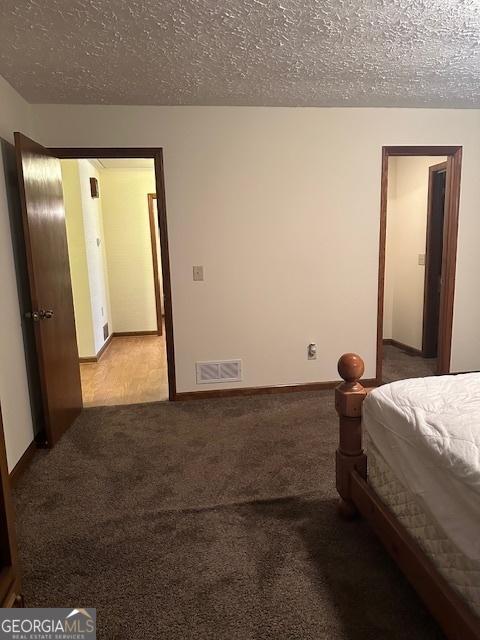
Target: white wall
(15, 115)
(96, 250)
(406, 239)
(86, 248)
(77, 255)
(123, 193)
(281, 206)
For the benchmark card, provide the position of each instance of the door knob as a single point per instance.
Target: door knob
(42, 314)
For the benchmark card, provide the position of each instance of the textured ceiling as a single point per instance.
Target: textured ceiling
(251, 52)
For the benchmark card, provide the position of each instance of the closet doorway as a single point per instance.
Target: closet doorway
(418, 244)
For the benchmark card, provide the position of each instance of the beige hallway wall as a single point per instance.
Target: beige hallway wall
(95, 246)
(88, 263)
(78, 258)
(128, 247)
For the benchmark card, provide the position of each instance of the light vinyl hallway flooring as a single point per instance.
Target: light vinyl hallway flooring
(132, 370)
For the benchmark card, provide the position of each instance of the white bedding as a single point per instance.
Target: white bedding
(428, 431)
(462, 574)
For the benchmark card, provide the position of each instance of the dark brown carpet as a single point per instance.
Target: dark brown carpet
(208, 519)
(399, 365)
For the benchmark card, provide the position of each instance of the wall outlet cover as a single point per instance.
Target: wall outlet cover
(198, 274)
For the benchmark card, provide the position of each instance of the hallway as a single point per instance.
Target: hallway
(132, 370)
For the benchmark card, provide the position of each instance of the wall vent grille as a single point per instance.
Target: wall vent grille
(220, 371)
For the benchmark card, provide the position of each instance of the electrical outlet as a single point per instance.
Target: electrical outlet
(421, 259)
(312, 351)
(197, 274)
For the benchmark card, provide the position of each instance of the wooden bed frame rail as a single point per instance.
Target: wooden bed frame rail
(357, 497)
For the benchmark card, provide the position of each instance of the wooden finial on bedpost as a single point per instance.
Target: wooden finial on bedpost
(349, 397)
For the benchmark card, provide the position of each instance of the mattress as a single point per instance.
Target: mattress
(428, 432)
(462, 574)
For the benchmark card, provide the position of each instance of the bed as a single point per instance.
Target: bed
(421, 488)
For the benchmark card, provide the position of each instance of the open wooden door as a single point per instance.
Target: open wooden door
(41, 194)
(434, 259)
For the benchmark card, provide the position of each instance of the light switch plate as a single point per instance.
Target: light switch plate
(198, 274)
(421, 259)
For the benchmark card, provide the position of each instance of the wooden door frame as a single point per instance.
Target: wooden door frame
(156, 153)
(156, 279)
(442, 166)
(449, 254)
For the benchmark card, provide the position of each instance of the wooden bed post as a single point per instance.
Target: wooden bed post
(349, 397)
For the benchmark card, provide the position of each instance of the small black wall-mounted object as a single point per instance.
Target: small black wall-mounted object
(94, 188)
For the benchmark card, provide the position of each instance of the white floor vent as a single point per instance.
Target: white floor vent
(221, 371)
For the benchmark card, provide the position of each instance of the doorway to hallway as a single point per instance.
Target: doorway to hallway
(51, 311)
(115, 266)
